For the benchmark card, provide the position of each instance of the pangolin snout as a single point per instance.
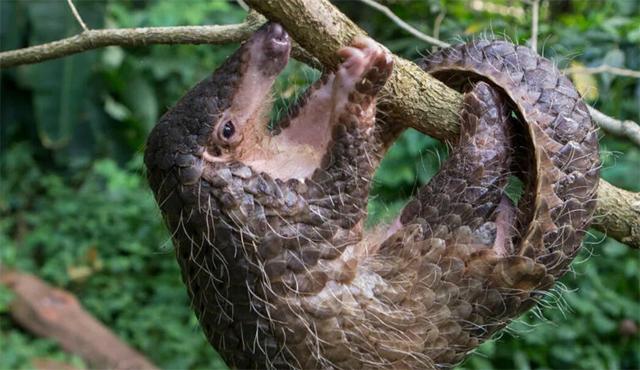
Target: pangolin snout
(275, 46)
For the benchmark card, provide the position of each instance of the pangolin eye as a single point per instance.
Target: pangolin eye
(228, 130)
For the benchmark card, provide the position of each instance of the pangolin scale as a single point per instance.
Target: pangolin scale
(267, 223)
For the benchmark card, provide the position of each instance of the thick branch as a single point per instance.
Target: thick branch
(412, 99)
(618, 214)
(57, 314)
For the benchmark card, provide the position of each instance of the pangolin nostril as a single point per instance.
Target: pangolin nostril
(277, 30)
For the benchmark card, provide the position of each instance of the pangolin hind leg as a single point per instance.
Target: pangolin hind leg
(471, 182)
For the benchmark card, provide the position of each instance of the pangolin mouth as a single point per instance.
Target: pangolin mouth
(269, 50)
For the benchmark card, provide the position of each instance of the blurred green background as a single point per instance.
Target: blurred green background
(76, 211)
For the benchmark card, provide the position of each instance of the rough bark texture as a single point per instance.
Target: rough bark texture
(279, 270)
(56, 314)
(618, 214)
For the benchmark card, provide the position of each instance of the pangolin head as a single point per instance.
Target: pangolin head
(226, 113)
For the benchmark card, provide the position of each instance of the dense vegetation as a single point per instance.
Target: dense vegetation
(76, 210)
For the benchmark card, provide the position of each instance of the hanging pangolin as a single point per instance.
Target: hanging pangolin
(267, 223)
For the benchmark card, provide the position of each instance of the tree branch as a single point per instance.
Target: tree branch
(411, 98)
(618, 214)
(77, 15)
(131, 37)
(625, 129)
(404, 25)
(603, 69)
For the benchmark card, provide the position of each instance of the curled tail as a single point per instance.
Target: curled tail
(561, 177)
(473, 259)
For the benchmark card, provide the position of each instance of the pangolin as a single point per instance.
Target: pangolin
(267, 219)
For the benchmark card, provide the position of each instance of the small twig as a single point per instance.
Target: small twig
(436, 28)
(130, 37)
(604, 69)
(535, 8)
(627, 129)
(243, 5)
(404, 25)
(77, 15)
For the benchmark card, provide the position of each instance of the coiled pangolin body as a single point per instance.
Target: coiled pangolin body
(267, 224)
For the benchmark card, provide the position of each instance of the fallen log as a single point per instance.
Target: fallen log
(53, 313)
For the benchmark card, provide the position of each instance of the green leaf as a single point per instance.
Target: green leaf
(113, 56)
(140, 97)
(115, 110)
(58, 86)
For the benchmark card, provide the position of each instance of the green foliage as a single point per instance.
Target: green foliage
(19, 349)
(75, 209)
(99, 235)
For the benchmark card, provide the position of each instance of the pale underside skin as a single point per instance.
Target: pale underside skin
(299, 149)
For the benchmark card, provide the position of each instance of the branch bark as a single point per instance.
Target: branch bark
(57, 314)
(618, 214)
(624, 129)
(410, 97)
